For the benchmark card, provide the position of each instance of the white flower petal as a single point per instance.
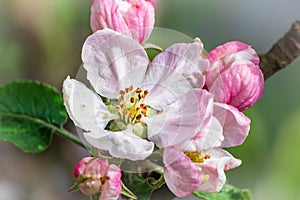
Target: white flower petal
(182, 119)
(113, 61)
(84, 107)
(219, 161)
(121, 144)
(174, 72)
(187, 59)
(209, 137)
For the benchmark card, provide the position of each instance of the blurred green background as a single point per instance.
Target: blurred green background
(42, 40)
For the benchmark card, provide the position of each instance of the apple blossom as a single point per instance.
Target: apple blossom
(159, 103)
(234, 76)
(135, 18)
(95, 175)
(199, 163)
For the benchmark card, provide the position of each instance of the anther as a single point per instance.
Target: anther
(132, 100)
(207, 156)
(130, 115)
(130, 88)
(138, 117)
(145, 93)
(122, 92)
(138, 90)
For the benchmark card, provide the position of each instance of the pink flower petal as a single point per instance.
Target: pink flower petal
(112, 188)
(233, 47)
(219, 161)
(84, 107)
(113, 61)
(234, 76)
(182, 119)
(235, 124)
(181, 174)
(108, 14)
(140, 19)
(134, 18)
(241, 86)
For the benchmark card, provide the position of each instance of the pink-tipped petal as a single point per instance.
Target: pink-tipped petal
(113, 61)
(181, 174)
(235, 124)
(174, 72)
(219, 161)
(134, 18)
(186, 59)
(241, 86)
(231, 48)
(108, 14)
(113, 186)
(140, 19)
(182, 119)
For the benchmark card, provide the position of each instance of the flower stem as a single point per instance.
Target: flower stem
(66, 134)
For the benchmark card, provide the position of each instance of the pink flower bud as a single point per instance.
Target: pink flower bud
(234, 76)
(95, 175)
(134, 18)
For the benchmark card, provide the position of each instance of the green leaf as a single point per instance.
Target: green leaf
(29, 113)
(228, 192)
(152, 50)
(141, 187)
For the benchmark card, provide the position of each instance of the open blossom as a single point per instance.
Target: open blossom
(95, 175)
(234, 76)
(200, 163)
(135, 18)
(158, 103)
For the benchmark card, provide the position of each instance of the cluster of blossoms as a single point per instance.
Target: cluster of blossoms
(184, 103)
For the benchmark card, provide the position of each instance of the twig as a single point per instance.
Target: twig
(283, 52)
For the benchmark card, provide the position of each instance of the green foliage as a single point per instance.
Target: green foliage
(152, 52)
(228, 192)
(141, 187)
(29, 113)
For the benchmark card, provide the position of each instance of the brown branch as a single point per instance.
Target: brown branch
(282, 53)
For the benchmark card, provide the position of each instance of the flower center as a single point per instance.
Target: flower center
(197, 157)
(131, 107)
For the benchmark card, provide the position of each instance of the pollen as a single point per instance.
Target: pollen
(197, 157)
(132, 109)
(138, 90)
(132, 100)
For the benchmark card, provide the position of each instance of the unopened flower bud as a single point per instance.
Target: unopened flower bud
(135, 18)
(234, 76)
(95, 175)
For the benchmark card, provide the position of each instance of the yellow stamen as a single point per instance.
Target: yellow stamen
(197, 157)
